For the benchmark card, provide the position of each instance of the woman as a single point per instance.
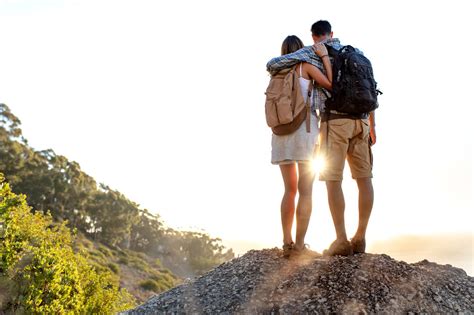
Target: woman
(294, 154)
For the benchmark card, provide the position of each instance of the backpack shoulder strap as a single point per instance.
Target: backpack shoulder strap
(347, 49)
(331, 50)
(308, 106)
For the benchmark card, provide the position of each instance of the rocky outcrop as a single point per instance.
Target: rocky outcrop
(263, 282)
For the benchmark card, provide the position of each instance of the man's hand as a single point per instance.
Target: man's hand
(372, 135)
(320, 49)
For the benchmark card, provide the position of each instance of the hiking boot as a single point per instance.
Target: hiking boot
(358, 246)
(342, 248)
(305, 252)
(287, 249)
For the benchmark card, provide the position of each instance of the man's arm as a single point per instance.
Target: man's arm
(373, 135)
(305, 54)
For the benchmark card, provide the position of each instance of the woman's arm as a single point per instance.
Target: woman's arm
(322, 80)
(322, 52)
(327, 67)
(318, 76)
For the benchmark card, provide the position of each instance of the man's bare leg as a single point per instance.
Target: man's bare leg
(341, 246)
(366, 202)
(337, 206)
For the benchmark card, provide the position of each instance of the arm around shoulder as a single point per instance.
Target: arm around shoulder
(286, 61)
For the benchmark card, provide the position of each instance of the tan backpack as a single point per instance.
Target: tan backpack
(285, 108)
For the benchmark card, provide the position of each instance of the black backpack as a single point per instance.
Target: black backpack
(354, 90)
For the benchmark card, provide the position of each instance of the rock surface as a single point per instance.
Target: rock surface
(263, 282)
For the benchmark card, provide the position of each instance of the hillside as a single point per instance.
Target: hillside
(141, 275)
(263, 282)
(116, 235)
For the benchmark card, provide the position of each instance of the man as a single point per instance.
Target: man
(342, 136)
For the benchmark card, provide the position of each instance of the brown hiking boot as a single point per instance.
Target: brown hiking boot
(342, 248)
(358, 246)
(287, 249)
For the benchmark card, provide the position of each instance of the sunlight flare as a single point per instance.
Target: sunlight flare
(318, 164)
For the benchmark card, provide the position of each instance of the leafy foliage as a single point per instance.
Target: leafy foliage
(43, 273)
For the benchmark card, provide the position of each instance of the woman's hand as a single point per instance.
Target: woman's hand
(320, 49)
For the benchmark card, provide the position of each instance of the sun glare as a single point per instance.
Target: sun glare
(318, 164)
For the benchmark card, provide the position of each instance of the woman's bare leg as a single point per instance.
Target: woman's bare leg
(305, 203)
(290, 179)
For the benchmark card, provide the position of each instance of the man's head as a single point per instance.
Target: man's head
(321, 30)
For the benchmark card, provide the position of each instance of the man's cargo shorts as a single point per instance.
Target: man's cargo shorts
(346, 138)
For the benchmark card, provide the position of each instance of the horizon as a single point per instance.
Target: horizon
(78, 73)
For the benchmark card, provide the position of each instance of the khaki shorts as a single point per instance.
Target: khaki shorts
(347, 138)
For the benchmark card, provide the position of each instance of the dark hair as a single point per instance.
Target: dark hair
(291, 44)
(320, 28)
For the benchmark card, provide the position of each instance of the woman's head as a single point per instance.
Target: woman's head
(291, 44)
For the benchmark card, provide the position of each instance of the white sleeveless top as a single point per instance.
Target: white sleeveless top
(304, 84)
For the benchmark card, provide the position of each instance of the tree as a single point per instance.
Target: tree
(147, 234)
(112, 216)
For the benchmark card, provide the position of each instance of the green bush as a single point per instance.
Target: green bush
(140, 264)
(167, 271)
(123, 260)
(150, 285)
(114, 267)
(165, 279)
(104, 250)
(98, 254)
(40, 270)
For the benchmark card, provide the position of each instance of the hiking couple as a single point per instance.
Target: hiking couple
(346, 131)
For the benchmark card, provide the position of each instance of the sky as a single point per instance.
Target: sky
(164, 101)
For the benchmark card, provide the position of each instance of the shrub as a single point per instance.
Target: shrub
(167, 271)
(104, 250)
(150, 285)
(166, 280)
(114, 267)
(140, 264)
(123, 260)
(40, 269)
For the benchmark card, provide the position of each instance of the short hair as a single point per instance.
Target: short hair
(320, 28)
(291, 44)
